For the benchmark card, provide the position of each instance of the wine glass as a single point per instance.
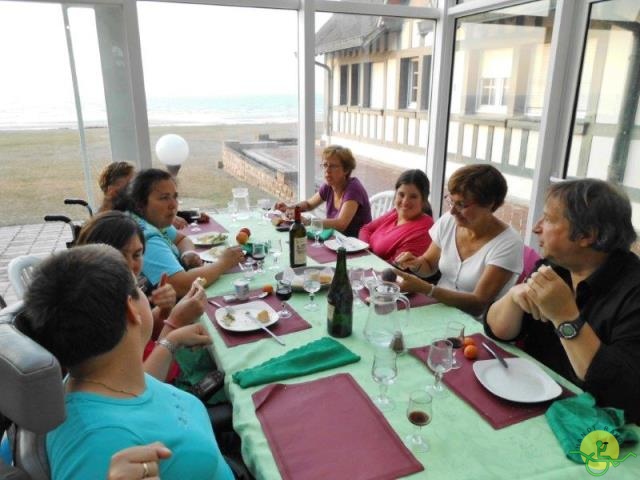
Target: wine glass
(283, 292)
(356, 276)
(419, 413)
(316, 228)
(311, 285)
(258, 254)
(194, 214)
(439, 361)
(455, 334)
(384, 371)
(264, 204)
(232, 209)
(275, 249)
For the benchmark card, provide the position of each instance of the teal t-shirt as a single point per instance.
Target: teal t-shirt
(160, 253)
(97, 426)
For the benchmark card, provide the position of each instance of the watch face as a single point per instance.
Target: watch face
(567, 330)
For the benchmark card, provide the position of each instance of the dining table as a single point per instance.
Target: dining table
(466, 442)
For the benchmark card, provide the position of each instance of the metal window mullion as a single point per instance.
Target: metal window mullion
(306, 99)
(358, 8)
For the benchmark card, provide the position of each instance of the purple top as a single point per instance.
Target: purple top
(354, 191)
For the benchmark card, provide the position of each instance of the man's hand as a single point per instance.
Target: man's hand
(552, 296)
(520, 296)
(231, 256)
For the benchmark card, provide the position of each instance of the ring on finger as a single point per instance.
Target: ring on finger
(145, 470)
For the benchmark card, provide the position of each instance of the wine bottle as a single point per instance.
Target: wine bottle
(340, 300)
(297, 242)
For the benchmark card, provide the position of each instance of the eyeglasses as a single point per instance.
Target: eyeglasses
(328, 166)
(459, 206)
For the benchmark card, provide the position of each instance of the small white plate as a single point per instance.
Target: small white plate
(351, 244)
(297, 284)
(212, 254)
(241, 322)
(209, 239)
(524, 381)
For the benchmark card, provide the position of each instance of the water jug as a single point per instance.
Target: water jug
(241, 199)
(384, 321)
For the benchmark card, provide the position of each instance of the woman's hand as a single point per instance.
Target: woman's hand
(190, 336)
(412, 284)
(231, 257)
(179, 223)
(408, 261)
(190, 307)
(164, 296)
(138, 462)
(281, 206)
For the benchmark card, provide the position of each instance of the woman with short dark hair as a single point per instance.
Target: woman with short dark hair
(479, 256)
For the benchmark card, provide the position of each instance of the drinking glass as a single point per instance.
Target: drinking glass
(384, 371)
(283, 292)
(316, 228)
(311, 285)
(248, 268)
(455, 334)
(264, 204)
(439, 361)
(419, 413)
(356, 276)
(195, 215)
(232, 209)
(259, 252)
(275, 250)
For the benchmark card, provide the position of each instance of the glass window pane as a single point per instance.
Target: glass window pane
(498, 84)
(413, 3)
(387, 127)
(233, 98)
(606, 134)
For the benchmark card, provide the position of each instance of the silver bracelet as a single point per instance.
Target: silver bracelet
(168, 344)
(433, 288)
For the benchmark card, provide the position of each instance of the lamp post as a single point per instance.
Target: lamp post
(172, 150)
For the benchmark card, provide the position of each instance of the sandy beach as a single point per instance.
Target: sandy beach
(39, 168)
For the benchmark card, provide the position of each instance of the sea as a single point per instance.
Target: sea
(162, 111)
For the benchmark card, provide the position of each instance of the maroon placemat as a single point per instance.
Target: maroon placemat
(326, 255)
(294, 323)
(330, 429)
(497, 411)
(210, 226)
(415, 299)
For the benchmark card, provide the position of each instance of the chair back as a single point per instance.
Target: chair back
(20, 270)
(530, 258)
(32, 399)
(381, 203)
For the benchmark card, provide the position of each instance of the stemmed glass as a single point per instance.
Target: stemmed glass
(384, 371)
(264, 204)
(356, 275)
(316, 228)
(419, 413)
(283, 292)
(275, 250)
(311, 285)
(248, 268)
(258, 254)
(455, 334)
(439, 361)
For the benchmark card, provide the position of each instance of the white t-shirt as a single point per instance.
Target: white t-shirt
(505, 251)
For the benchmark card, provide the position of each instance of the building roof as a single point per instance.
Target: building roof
(342, 32)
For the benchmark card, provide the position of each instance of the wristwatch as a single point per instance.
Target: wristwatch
(569, 330)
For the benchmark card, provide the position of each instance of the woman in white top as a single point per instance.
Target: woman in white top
(479, 256)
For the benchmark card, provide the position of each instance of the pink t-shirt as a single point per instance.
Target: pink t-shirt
(387, 240)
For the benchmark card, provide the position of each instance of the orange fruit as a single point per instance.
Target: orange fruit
(242, 237)
(470, 352)
(246, 230)
(468, 341)
(268, 289)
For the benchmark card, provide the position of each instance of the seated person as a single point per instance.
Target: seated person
(113, 180)
(405, 228)
(347, 201)
(84, 307)
(153, 202)
(171, 322)
(579, 313)
(479, 256)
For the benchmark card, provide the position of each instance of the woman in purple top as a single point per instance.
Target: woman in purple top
(347, 201)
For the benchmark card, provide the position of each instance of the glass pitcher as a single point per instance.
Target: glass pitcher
(384, 321)
(241, 199)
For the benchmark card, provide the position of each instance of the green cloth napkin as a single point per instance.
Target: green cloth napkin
(324, 235)
(573, 418)
(313, 357)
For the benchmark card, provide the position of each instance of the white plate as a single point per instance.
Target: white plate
(351, 244)
(297, 285)
(524, 381)
(212, 254)
(241, 322)
(209, 239)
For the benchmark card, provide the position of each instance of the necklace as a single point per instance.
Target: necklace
(96, 382)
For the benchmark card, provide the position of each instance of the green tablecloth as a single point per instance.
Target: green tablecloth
(463, 445)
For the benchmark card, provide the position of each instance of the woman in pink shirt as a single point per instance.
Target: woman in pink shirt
(405, 228)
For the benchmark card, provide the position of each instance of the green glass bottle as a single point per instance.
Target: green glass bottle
(340, 300)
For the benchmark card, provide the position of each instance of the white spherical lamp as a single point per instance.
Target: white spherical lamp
(172, 150)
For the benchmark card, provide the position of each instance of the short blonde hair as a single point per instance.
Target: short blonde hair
(114, 172)
(343, 154)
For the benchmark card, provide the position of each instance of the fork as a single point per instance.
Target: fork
(260, 324)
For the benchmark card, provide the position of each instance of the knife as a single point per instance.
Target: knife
(502, 361)
(258, 322)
